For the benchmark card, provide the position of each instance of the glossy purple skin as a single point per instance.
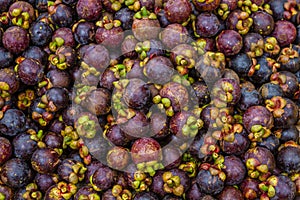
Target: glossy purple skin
(289, 117)
(173, 35)
(44, 181)
(288, 159)
(111, 38)
(45, 160)
(103, 178)
(24, 146)
(229, 42)
(145, 150)
(137, 94)
(16, 173)
(238, 146)
(230, 193)
(89, 9)
(207, 25)
(145, 29)
(137, 126)
(177, 93)
(263, 23)
(5, 149)
(98, 101)
(257, 115)
(204, 6)
(263, 155)
(15, 39)
(66, 34)
(285, 32)
(30, 71)
(97, 56)
(250, 184)
(159, 70)
(178, 11)
(235, 170)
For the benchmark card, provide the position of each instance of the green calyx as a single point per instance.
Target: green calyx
(150, 167)
(191, 127)
(258, 132)
(172, 184)
(86, 127)
(56, 43)
(190, 168)
(145, 14)
(141, 181)
(120, 193)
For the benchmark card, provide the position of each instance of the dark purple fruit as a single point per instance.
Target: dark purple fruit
(30, 71)
(284, 110)
(249, 188)
(288, 158)
(260, 162)
(207, 25)
(136, 94)
(178, 11)
(258, 121)
(6, 58)
(98, 101)
(287, 81)
(173, 35)
(15, 173)
(234, 169)
(45, 160)
(62, 36)
(97, 56)
(145, 196)
(206, 5)
(125, 15)
(89, 9)
(145, 26)
(269, 90)
(71, 171)
(12, 122)
(159, 124)
(15, 39)
(111, 37)
(40, 33)
(159, 70)
(61, 14)
(118, 158)
(288, 134)
(278, 187)
(254, 44)
(249, 98)
(177, 94)
(84, 32)
(229, 42)
(230, 193)
(285, 32)
(116, 136)
(24, 146)
(102, 179)
(263, 23)
(194, 192)
(86, 192)
(21, 13)
(210, 183)
(5, 149)
(57, 98)
(45, 181)
(145, 150)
